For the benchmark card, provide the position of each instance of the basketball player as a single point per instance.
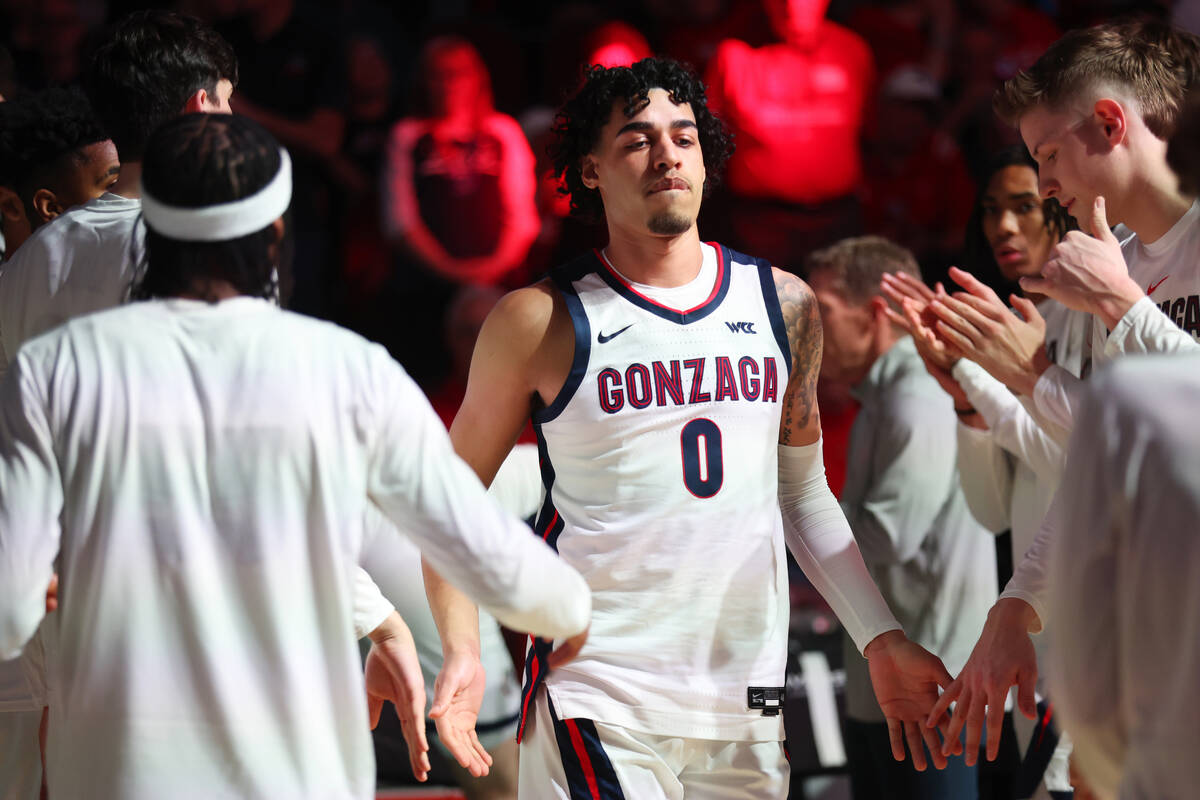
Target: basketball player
(152, 66)
(1126, 574)
(199, 465)
(1095, 112)
(671, 382)
(56, 156)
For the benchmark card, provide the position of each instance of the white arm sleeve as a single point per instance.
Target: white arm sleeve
(1038, 443)
(820, 540)
(371, 608)
(986, 475)
(1145, 329)
(420, 484)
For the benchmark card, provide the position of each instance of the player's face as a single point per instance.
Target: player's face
(1011, 213)
(649, 168)
(98, 171)
(1073, 157)
(847, 331)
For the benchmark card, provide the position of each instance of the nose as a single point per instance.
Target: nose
(1008, 222)
(667, 155)
(1047, 186)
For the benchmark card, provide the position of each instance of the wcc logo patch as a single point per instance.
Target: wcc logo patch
(740, 327)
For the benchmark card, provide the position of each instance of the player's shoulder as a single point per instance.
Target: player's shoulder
(796, 297)
(528, 312)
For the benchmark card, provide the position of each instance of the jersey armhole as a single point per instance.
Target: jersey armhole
(583, 346)
(771, 300)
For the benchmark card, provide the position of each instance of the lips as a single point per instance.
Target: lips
(1007, 254)
(667, 185)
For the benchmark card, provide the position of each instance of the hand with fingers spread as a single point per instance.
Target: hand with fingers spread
(978, 324)
(1003, 657)
(392, 672)
(458, 693)
(906, 677)
(1088, 273)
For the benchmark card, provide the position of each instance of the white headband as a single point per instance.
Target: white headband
(223, 221)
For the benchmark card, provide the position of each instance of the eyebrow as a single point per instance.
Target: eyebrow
(642, 126)
(115, 169)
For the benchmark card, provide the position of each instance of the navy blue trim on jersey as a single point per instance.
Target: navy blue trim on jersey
(564, 279)
(774, 311)
(535, 673)
(589, 771)
(724, 266)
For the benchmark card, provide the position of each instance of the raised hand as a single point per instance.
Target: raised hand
(458, 693)
(392, 672)
(1003, 657)
(1088, 273)
(906, 677)
(977, 322)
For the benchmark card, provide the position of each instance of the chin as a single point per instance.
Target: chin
(670, 223)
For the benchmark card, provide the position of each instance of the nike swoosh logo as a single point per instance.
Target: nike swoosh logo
(1154, 286)
(602, 338)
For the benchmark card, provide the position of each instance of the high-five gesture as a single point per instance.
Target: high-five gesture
(1088, 272)
(392, 672)
(906, 677)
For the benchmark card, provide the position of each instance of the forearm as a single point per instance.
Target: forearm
(456, 617)
(819, 538)
(1146, 329)
(1056, 397)
(1030, 581)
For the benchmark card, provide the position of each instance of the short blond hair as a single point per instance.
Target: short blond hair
(857, 265)
(1150, 62)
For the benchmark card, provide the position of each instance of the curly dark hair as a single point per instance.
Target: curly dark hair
(197, 160)
(579, 121)
(980, 261)
(40, 134)
(147, 67)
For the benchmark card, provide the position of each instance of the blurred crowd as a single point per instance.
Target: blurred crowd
(419, 131)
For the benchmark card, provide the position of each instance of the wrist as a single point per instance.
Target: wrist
(461, 647)
(1028, 378)
(1016, 613)
(883, 641)
(391, 627)
(1112, 309)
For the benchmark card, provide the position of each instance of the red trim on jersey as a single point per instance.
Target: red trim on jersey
(1045, 724)
(550, 527)
(585, 760)
(712, 295)
(533, 685)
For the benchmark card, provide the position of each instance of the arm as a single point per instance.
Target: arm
(986, 475)
(905, 677)
(30, 503)
(392, 672)
(401, 212)
(371, 608)
(1146, 329)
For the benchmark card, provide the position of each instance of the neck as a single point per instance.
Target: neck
(655, 260)
(1154, 203)
(267, 21)
(129, 181)
(210, 290)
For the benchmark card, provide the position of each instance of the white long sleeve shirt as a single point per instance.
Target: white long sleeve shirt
(202, 473)
(1170, 270)
(1125, 666)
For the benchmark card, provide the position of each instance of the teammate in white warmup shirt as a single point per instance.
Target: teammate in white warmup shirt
(672, 385)
(199, 464)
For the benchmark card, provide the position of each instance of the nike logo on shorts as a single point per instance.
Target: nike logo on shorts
(602, 338)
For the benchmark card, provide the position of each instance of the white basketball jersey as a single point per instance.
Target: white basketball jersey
(659, 463)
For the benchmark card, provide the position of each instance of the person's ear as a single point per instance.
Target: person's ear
(197, 103)
(589, 171)
(46, 205)
(1110, 118)
(877, 306)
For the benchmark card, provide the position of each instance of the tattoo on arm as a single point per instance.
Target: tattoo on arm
(802, 320)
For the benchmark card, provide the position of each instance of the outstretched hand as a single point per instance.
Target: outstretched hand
(1088, 272)
(458, 693)
(392, 672)
(906, 677)
(1003, 657)
(978, 323)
